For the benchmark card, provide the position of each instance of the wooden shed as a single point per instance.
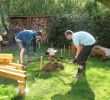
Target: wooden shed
(17, 23)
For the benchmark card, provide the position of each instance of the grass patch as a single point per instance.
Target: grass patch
(61, 85)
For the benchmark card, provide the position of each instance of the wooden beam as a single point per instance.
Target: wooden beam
(9, 68)
(18, 66)
(4, 60)
(12, 75)
(6, 55)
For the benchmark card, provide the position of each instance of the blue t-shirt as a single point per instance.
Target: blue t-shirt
(83, 38)
(26, 36)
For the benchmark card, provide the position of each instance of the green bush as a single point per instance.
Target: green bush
(102, 29)
(57, 29)
(98, 26)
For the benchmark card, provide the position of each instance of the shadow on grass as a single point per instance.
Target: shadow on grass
(7, 81)
(80, 90)
(38, 74)
(18, 98)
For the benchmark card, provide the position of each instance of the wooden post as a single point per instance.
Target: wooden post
(64, 48)
(0, 47)
(17, 61)
(69, 51)
(41, 62)
(61, 52)
(21, 87)
(26, 60)
(39, 46)
(51, 45)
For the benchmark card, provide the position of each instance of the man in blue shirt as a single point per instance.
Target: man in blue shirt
(84, 42)
(24, 39)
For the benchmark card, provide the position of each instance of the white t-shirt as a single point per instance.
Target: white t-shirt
(83, 38)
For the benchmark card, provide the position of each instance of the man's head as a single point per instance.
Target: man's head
(40, 36)
(68, 34)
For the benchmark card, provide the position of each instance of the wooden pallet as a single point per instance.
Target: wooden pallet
(13, 71)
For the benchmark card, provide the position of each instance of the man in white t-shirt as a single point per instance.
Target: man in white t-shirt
(84, 42)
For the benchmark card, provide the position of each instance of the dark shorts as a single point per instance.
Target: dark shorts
(83, 55)
(20, 44)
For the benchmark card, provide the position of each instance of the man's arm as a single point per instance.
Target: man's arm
(27, 49)
(78, 47)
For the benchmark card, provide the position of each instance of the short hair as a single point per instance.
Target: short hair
(39, 34)
(68, 32)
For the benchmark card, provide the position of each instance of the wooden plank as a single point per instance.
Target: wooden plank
(6, 55)
(98, 52)
(8, 68)
(18, 66)
(12, 67)
(12, 75)
(4, 60)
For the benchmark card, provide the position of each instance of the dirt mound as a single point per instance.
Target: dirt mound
(52, 67)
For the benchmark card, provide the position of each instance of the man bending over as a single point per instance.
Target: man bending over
(84, 42)
(24, 39)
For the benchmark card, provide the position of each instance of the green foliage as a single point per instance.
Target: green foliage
(60, 25)
(105, 2)
(82, 11)
(57, 29)
(97, 25)
(102, 28)
(42, 7)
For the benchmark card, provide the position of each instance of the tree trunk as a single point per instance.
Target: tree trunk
(4, 9)
(3, 22)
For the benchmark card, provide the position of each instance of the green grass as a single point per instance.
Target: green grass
(61, 85)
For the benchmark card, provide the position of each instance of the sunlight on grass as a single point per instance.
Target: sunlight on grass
(60, 85)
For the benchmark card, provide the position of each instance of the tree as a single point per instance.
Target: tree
(105, 2)
(4, 13)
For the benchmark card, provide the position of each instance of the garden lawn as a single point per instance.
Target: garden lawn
(61, 85)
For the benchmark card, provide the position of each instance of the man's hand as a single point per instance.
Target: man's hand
(74, 61)
(79, 48)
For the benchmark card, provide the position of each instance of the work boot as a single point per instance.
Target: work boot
(80, 73)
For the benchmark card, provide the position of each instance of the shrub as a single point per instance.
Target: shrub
(101, 29)
(98, 26)
(57, 29)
